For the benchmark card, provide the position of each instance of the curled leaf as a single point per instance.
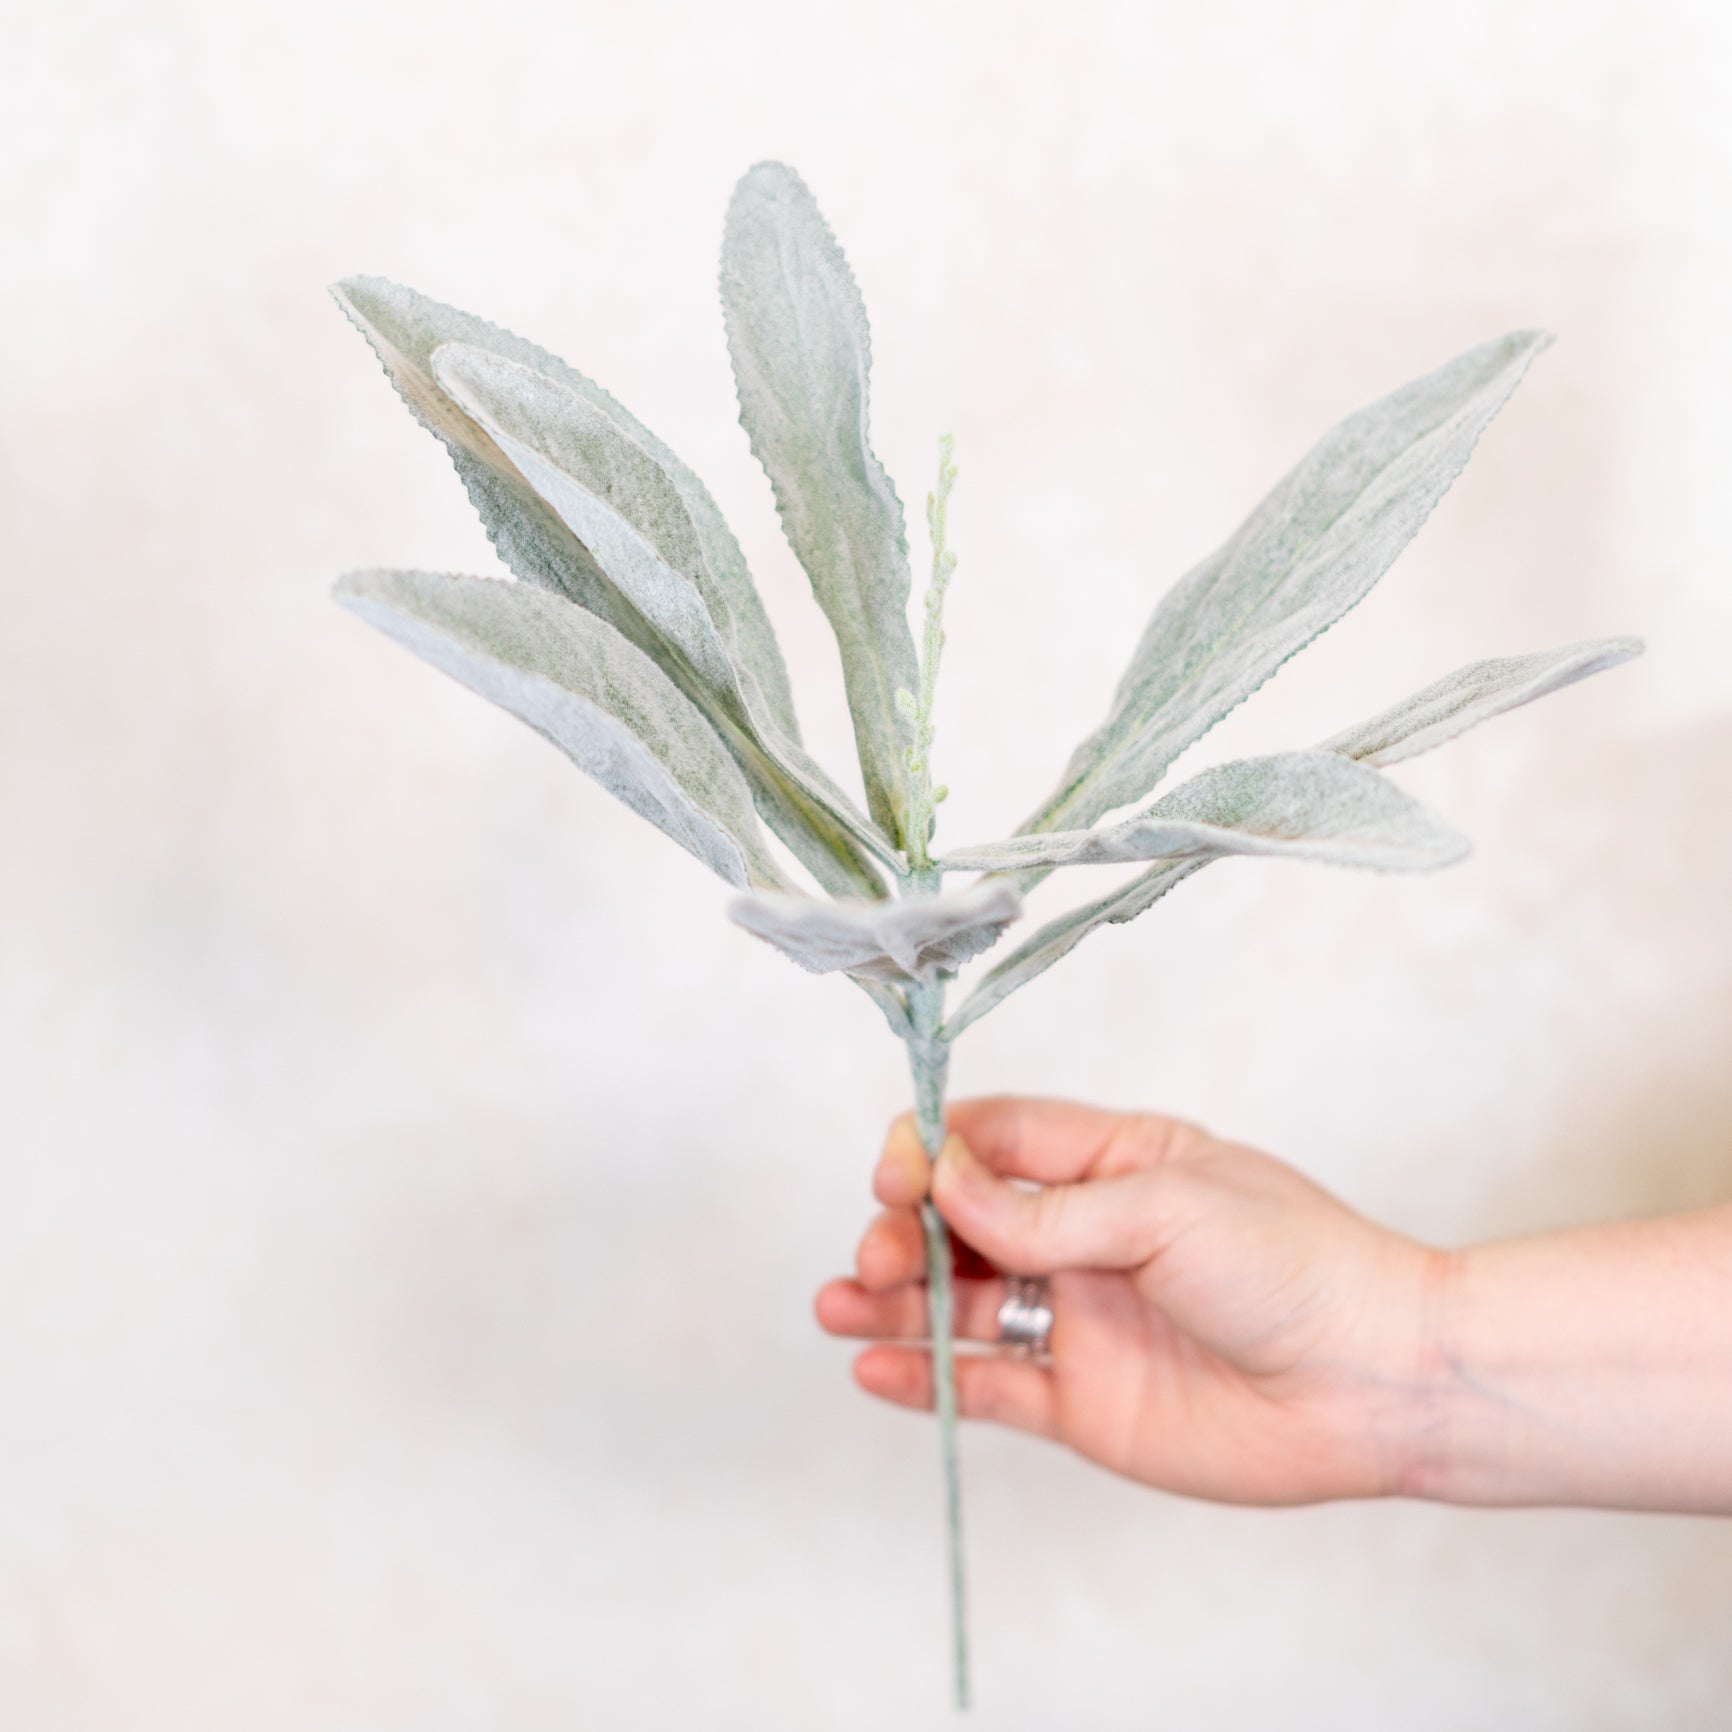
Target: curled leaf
(911, 940)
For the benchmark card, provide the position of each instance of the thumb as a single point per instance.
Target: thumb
(1109, 1223)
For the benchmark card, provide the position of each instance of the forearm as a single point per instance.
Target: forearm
(1591, 1368)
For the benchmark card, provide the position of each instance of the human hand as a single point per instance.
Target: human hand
(1222, 1327)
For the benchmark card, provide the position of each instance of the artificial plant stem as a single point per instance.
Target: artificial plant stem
(929, 1063)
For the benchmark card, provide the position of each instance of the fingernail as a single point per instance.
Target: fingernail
(957, 1169)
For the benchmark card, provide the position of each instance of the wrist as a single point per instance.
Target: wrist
(1432, 1446)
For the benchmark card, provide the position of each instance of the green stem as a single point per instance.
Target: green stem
(929, 1063)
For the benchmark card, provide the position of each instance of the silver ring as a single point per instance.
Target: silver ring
(1025, 1317)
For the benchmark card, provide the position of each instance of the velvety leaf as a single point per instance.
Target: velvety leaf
(619, 502)
(405, 328)
(576, 681)
(798, 338)
(1057, 938)
(1305, 805)
(884, 941)
(1474, 694)
(1312, 549)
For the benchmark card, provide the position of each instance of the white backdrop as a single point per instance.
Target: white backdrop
(414, 1188)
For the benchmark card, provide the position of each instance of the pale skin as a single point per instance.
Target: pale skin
(1226, 1329)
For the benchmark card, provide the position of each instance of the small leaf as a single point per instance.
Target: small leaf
(1304, 805)
(912, 940)
(1474, 694)
(1058, 938)
(890, 1002)
(576, 681)
(1313, 548)
(798, 338)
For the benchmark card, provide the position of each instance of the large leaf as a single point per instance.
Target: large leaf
(576, 681)
(622, 505)
(905, 941)
(1047, 944)
(1312, 549)
(405, 329)
(1305, 805)
(798, 338)
(1474, 694)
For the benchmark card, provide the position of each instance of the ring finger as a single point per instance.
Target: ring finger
(847, 1308)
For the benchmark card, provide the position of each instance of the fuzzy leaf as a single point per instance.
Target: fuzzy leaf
(619, 502)
(576, 681)
(1058, 938)
(1474, 694)
(1305, 805)
(798, 338)
(404, 329)
(1312, 549)
(883, 941)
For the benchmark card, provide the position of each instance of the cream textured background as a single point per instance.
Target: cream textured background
(413, 1188)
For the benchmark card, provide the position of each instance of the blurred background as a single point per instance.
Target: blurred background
(414, 1188)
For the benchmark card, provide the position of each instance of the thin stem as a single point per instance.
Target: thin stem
(929, 1063)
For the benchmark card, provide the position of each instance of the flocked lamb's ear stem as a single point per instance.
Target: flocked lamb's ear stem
(798, 339)
(929, 1068)
(1308, 553)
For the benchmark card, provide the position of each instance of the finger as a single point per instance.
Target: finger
(848, 1308)
(1014, 1392)
(1105, 1223)
(1055, 1142)
(904, 1169)
(892, 1251)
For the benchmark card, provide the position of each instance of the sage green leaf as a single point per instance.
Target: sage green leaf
(404, 329)
(911, 940)
(577, 682)
(616, 498)
(1304, 805)
(798, 338)
(1474, 694)
(1312, 549)
(1057, 938)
